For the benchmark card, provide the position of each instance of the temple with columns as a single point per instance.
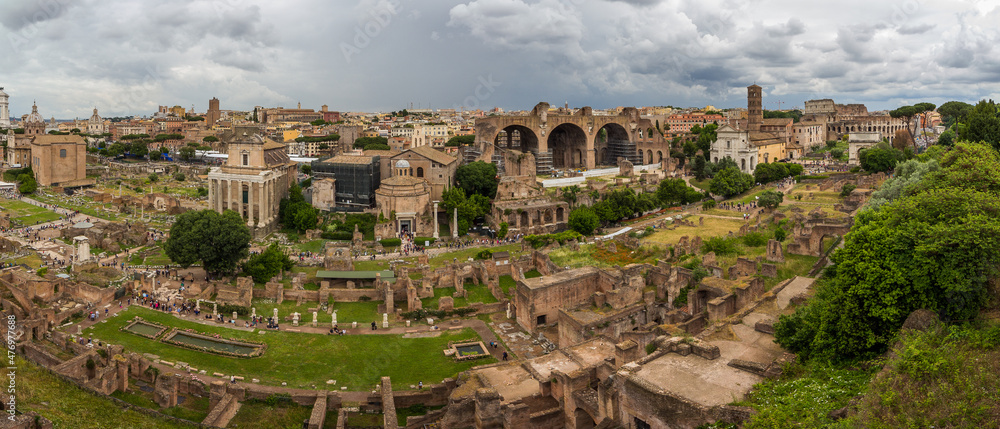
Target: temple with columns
(253, 181)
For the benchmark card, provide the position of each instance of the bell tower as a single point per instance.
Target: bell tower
(755, 108)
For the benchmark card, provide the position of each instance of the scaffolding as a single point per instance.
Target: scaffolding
(356, 181)
(543, 162)
(621, 149)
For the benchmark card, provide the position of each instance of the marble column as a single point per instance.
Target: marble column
(436, 233)
(211, 193)
(250, 187)
(261, 208)
(454, 224)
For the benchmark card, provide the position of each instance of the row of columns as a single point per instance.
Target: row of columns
(228, 194)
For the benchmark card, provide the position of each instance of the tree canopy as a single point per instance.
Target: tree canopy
(982, 124)
(461, 141)
(267, 264)
(675, 191)
(478, 178)
(218, 241)
(770, 199)
(935, 247)
(296, 213)
(583, 220)
(730, 181)
(365, 141)
(879, 158)
(774, 171)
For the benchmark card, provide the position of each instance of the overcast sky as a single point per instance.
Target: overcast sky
(129, 56)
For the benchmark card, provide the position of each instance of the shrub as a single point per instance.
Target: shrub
(390, 242)
(650, 348)
(719, 245)
(42, 271)
(484, 254)
(710, 204)
(846, 189)
(421, 240)
(365, 298)
(780, 234)
(337, 235)
(179, 177)
(754, 239)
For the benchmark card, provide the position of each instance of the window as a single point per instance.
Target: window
(540, 320)
(62, 153)
(246, 159)
(420, 171)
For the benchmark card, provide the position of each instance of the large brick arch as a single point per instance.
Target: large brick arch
(541, 123)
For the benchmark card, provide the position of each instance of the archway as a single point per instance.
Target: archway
(559, 215)
(564, 141)
(524, 219)
(517, 137)
(612, 141)
(659, 156)
(649, 157)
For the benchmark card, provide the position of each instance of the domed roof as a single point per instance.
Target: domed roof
(34, 116)
(402, 164)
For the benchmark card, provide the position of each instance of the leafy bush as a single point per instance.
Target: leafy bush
(484, 254)
(390, 242)
(228, 309)
(537, 241)
(650, 348)
(720, 245)
(847, 189)
(780, 234)
(755, 239)
(337, 235)
(710, 204)
(770, 199)
(421, 240)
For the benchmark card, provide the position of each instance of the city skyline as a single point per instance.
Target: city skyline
(126, 58)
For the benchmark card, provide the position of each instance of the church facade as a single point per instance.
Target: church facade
(253, 181)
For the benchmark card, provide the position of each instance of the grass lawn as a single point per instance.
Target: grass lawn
(479, 293)
(713, 227)
(465, 254)
(806, 208)
(371, 265)
(305, 360)
(722, 212)
(507, 283)
(314, 246)
(347, 312)
(32, 260)
(68, 406)
(795, 265)
(828, 197)
(701, 184)
(254, 414)
(443, 292)
(26, 214)
(532, 273)
(89, 209)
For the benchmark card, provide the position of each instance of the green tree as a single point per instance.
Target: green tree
(770, 199)
(982, 124)
(730, 182)
(583, 220)
(502, 232)
(937, 246)
(187, 153)
(877, 159)
(461, 141)
(153, 178)
(267, 264)
(690, 148)
(306, 169)
(365, 141)
(953, 111)
(675, 191)
(699, 167)
(478, 178)
(218, 241)
(319, 123)
(946, 138)
(210, 139)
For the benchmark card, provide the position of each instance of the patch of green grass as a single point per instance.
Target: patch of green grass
(369, 265)
(479, 293)
(193, 408)
(27, 214)
(470, 252)
(304, 360)
(361, 312)
(347, 312)
(701, 184)
(432, 303)
(89, 209)
(530, 274)
(68, 406)
(507, 283)
(314, 246)
(804, 396)
(260, 415)
(32, 260)
(795, 265)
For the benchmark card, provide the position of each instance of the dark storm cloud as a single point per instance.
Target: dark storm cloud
(128, 56)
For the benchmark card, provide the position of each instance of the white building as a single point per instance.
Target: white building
(734, 144)
(4, 109)
(858, 141)
(95, 125)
